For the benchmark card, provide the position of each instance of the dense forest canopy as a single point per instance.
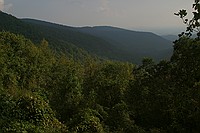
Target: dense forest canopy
(43, 91)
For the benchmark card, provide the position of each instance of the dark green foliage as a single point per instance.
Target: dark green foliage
(45, 92)
(27, 113)
(149, 95)
(104, 88)
(36, 84)
(165, 96)
(25, 69)
(186, 66)
(86, 121)
(66, 88)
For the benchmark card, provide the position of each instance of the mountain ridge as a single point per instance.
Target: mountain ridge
(104, 41)
(130, 41)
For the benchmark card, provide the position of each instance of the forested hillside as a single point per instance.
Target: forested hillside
(69, 42)
(43, 92)
(115, 44)
(54, 32)
(133, 43)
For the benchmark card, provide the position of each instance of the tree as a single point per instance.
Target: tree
(27, 113)
(65, 88)
(193, 25)
(25, 69)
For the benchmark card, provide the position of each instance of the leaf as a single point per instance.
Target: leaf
(177, 14)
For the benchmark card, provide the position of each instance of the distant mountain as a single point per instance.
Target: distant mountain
(91, 44)
(103, 41)
(170, 37)
(133, 43)
(61, 38)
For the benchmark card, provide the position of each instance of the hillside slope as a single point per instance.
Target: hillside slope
(105, 42)
(60, 38)
(170, 37)
(87, 42)
(133, 42)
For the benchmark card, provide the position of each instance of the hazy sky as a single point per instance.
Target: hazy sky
(150, 15)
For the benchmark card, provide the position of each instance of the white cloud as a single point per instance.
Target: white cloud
(1, 5)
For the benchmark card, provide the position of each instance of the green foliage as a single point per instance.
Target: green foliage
(23, 64)
(164, 97)
(104, 87)
(86, 121)
(65, 87)
(186, 75)
(109, 81)
(24, 69)
(27, 113)
(192, 24)
(119, 118)
(149, 95)
(45, 92)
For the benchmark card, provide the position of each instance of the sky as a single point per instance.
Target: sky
(142, 15)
